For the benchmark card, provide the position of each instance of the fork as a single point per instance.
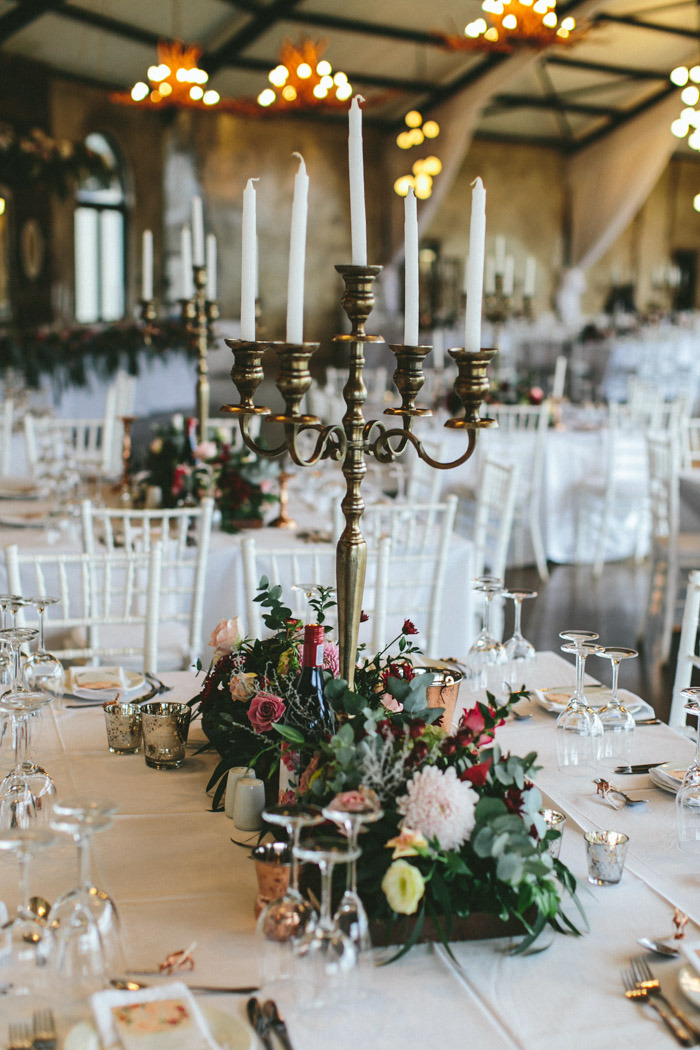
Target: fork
(44, 1027)
(19, 1037)
(644, 978)
(641, 995)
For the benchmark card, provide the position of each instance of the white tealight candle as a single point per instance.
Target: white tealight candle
(248, 262)
(186, 261)
(147, 265)
(475, 268)
(500, 254)
(211, 267)
(358, 226)
(530, 272)
(297, 255)
(411, 285)
(197, 232)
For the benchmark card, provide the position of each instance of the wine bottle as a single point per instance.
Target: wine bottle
(314, 713)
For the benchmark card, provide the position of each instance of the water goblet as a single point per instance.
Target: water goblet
(327, 952)
(27, 790)
(487, 655)
(350, 915)
(6, 663)
(85, 918)
(286, 919)
(579, 730)
(26, 942)
(618, 723)
(520, 653)
(43, 671)
(16, 637)
(688, 796)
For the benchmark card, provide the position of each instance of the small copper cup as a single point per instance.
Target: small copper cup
(272, 867)
(444, 691)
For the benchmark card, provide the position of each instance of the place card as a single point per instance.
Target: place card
(162, 1018)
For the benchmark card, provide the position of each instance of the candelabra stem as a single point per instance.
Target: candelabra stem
(199, 313)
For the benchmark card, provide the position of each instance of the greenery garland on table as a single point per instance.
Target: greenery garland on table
(34, 157)
(71, 356)
(462, 831)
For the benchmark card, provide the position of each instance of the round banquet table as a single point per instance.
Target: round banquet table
(170, 865)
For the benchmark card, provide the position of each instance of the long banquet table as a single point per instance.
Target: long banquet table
(171, 866)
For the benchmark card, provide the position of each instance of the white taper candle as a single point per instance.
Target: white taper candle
(248, 262)
(197, 232)
(500, 252)
(411, 285)
(297, 255)
(475, 268)
(358, 225)
(509, 276)
(211, 267)
(186, 260)
(147, 265)
(530, 272)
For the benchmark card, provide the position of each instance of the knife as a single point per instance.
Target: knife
(276, 1023)
(649, 721)
(259, 1023)
(643, 767)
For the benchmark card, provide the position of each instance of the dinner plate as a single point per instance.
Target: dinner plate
(555, 698)
(231, 1033)
(134, 683)
(689, 981)
(28, 520)
(668, 777)
(15, 488)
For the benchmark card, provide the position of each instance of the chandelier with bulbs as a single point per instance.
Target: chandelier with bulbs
(514, 23)
(687, 124)
(302, 79)
(425, 169)
(177, 80)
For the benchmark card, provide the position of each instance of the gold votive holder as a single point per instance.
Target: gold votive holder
(165, 727)
(123, 725)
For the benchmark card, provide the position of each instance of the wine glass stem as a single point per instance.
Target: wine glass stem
(615, 676)
(487, 614)
(24, 859)
(294, 870)
(21, 740)
(17, 665)
(326, 878)
(517, 613)
(83, 844)
(580, 662)
(40, 610)
(354, 833)
(697, 741)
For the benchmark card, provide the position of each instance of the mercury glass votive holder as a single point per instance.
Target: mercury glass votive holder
(123, 724)
(605, 853)
(165, 727)
(555, 821)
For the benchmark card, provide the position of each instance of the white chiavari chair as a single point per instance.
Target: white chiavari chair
(6, 424)
(109, 603)
(688, 659)
(288, 567)
(184, 534)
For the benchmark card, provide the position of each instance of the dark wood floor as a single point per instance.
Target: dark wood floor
(613, 606)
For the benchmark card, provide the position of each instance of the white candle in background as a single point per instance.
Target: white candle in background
(211, 267)
(509, 276)
(559, 378)
(197, 232)
(500, 254)
(438, 354)
(411, 285)
(147, 265)
(186, 259)
(248, 262)
(530, 272)
(475, 268)
(358, 226)
(297, 255)
(490, 278)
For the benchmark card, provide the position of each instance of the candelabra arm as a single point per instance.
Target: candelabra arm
(330, 444)
(386, 452)
(250, 442)
(382, 444)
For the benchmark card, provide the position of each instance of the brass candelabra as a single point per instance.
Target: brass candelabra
(354, 438)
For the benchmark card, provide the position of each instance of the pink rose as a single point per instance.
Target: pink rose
(266, 486)
(265, 709)
(391, 703)
(361, 800)
(536, 395)
(205, 450)
(226, 634)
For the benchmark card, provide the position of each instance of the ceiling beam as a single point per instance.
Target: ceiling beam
(623, 117)
(552, 102)
(23, 14)
(628, 20)
(259, 23)
(109, 25)
(603, 67)
(354, 25)
(264, 65)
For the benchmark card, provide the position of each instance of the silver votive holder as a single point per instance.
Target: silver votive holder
(555, 821)
(165, 726)
(605, 853)
(123, 725)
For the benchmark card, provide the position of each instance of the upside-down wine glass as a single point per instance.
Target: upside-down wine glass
(520, 653)
(350, 915)
(618, 723)
(85, 919)
(327, 952)
(579, 730)
(285, 920)
(27, 791)
(26, 941)
(43, 671)
(6, 662)
(487, 655)
(688, 796)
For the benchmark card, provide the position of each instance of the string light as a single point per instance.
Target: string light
(687, 124)
(176, 80)
(303, 79)
(425, 169)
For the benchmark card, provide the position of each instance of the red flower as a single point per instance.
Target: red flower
(513, 799)
(409, 628)
(399, 669)
(477, 775)
(448, 747)
(416, 727)
(363, 617)
(420, 750)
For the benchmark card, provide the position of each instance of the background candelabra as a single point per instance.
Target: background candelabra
(354, 438)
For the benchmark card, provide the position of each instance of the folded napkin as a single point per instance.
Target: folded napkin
(163, 1018)
(97, 683)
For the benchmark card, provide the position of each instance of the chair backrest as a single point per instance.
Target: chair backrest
(51, 441)
(493, 521)
(688, 658)
(292, 568)
(6, 422)
(96, 592)
(423, 482)
(690, 444)
(518, 441)
(183, 534)
(412, 526)
(662, 450)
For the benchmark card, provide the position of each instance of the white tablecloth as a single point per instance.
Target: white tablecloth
(170, 865)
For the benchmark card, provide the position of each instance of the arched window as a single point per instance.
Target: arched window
(99, 228)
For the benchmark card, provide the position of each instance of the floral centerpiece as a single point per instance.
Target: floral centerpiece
(35, 157)
(185, 471)
(462, 831)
